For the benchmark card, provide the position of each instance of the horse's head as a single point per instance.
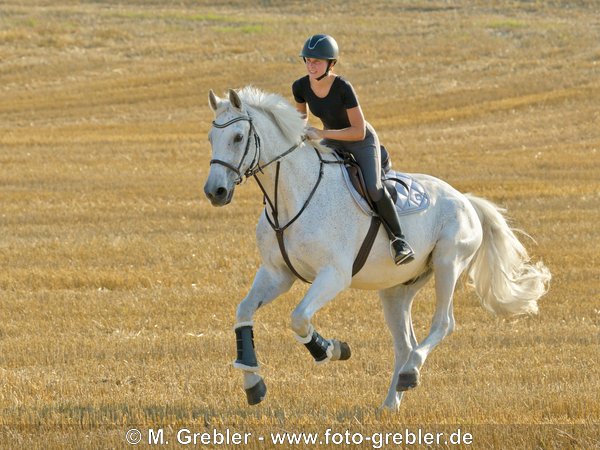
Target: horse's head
(234, 145)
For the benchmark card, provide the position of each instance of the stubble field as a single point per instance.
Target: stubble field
(119, 281)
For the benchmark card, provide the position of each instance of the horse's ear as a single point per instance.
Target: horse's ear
(235, 100)
(213, 101)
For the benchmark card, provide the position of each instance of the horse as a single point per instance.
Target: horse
(311, 229)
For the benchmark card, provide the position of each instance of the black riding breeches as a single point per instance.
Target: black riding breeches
(368, 156)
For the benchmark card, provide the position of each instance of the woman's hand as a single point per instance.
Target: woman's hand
(313, 134)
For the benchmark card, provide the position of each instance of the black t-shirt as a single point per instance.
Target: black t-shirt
(331, 109)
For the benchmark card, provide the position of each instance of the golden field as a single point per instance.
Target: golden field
(119, 281)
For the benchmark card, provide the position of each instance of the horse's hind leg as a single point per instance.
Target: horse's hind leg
(268, 285)
(397, 303)
(327, 284)
(450, 257)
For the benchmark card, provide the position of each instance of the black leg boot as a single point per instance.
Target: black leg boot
(401, 251)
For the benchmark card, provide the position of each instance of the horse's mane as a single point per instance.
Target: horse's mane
(284, 115)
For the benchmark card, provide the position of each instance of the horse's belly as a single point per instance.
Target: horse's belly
(385, 274)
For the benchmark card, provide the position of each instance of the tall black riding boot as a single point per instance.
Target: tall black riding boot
(401, 251)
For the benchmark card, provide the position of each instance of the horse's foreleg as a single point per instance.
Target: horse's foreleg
(328, 283)
(397, 302)
(268, 285)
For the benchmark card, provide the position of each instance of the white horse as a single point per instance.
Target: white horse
(262, 135)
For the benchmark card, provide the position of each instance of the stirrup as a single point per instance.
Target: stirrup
(405, 257)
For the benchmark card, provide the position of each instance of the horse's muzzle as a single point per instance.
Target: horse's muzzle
(219, 196)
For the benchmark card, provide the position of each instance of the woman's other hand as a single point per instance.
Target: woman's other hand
(313, 134)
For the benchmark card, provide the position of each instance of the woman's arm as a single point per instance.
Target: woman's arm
(303, 110)
(355, 132)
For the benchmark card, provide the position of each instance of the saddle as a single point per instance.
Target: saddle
(357, 180)
(408, 194)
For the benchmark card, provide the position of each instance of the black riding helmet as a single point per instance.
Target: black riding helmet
(321, 46)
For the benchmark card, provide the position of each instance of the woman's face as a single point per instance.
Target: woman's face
(316, 67)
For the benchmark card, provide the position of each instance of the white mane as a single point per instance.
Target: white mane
(286, 117)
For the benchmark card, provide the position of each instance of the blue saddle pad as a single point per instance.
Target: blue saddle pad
(412, 196)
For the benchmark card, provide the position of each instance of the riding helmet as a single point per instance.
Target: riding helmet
(320, 46)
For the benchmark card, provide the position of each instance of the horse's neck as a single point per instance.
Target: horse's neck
(298, 173)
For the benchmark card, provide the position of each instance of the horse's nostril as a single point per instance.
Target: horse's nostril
(221, 192)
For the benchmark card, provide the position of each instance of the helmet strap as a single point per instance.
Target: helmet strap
(329, 63)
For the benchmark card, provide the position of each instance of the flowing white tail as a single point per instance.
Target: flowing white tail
(506, 282)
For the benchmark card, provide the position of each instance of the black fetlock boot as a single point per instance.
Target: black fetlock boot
(401, 251)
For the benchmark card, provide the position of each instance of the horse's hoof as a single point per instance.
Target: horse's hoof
(341, 351)
(345, 352)
(256, 393)
(407, 381)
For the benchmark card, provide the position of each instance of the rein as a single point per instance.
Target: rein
(253, 170)
(275, 212)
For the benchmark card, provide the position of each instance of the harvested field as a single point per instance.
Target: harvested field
(119, 281)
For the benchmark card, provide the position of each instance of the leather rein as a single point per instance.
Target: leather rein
(255, 167)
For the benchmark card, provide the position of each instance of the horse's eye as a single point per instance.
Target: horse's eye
(238, 138)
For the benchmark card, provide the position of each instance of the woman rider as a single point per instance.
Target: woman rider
(332, 99)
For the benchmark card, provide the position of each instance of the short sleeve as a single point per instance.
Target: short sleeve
(349, 97)
(298, 92)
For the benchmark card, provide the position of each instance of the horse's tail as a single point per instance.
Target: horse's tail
(506, 282)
